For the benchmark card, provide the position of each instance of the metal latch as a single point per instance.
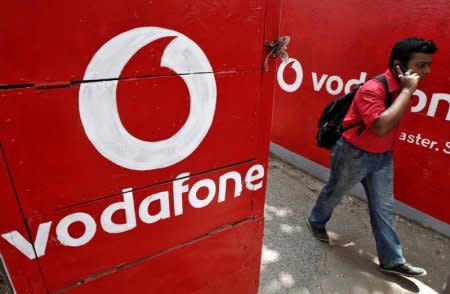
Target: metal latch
(277, 49)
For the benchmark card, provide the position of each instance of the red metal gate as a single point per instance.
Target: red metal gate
(335, 45)
(134, 139)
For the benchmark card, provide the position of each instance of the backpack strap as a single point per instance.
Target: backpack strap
(387, 101)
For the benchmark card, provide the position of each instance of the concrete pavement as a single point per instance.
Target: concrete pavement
(294, 262)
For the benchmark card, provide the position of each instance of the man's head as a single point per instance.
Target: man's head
(413, 53)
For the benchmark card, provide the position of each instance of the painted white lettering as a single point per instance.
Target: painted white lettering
(334, 85)
(130, 216)
(62, 229)
(200, 195)
(425, 142)
(164, 212)
(447, 147)
(193, 199)
(40, 244)
(433, 143)
(318, 84)
(98, 106)
(422, 101)
(435, 99)
(353, 82)
(418, 138)
(178, 190)
(297, 67)
(339, 85)
(223, 184)
(255, 173)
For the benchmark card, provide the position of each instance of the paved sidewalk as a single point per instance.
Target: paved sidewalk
(294, 262)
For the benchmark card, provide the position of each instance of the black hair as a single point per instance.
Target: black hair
(404, 49)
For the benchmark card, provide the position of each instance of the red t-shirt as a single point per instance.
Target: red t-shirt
(368, 105)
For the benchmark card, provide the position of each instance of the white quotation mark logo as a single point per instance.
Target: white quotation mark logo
(98, 104)
(297, 67)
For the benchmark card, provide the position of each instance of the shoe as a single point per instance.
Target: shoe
(404, 270)
(319, 234)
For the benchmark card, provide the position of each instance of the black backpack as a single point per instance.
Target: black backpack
(330, 122)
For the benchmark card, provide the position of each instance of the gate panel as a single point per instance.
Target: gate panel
(55, 43)
(141, 223)
(24, 279)
(55, 165)
(216, 271)
(136, 136)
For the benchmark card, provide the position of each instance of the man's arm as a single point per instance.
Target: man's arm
(392, 115)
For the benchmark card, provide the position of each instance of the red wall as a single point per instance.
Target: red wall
(72, 111)
(336, 42)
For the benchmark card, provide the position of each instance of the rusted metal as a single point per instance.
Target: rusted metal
(277, 49)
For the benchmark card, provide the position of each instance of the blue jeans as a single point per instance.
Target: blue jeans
(349, 166)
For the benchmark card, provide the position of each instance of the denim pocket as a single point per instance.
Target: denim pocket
(352, 152)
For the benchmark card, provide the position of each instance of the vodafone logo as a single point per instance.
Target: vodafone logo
(98, 102)
(297, 67)
(336, 85)
(102, 124)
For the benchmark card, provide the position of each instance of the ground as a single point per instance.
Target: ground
(294, 262)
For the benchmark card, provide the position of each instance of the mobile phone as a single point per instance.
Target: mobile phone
(403, 68)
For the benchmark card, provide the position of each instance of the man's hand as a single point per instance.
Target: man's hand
(409, 80)
(392, 115)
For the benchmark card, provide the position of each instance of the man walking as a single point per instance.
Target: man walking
(365, 154)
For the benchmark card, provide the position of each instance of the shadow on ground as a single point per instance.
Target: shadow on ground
(294, 262)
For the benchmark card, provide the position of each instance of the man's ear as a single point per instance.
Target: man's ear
(394, 65)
